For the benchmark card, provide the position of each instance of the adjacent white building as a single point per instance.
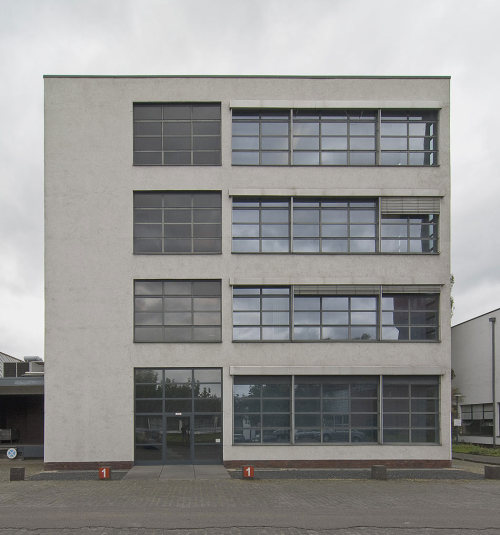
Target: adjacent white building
(247, 269)
(473, 357)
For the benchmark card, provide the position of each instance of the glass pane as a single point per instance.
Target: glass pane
(246, 143)
(207, 376)
(246, 333)
(275, 333)
(245, 158)
(335, 333)
(306, 158)
(306, 333)
(334, 158)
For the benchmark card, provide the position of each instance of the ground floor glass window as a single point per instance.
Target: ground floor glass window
(477, 419)
(335, 409)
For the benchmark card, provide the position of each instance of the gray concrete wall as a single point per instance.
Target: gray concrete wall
(90, 266)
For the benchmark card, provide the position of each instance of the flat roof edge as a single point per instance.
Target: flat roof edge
(476, 317)
(285, 76)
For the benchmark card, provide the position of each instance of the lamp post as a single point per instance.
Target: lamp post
(493, 377)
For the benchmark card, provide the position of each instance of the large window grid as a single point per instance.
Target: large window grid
(334, 318)
(261, 138)
(408, 138)
(477, 419)
(409, 233)
(335, 137)
(334, 226)
(177, 134)
(177, 222)
(410, 317)
(336, 410)
(261, 314)
(261, 409)
(410, 410)
(177, 311)
(261, 226)
(300, 314)
(328, 226)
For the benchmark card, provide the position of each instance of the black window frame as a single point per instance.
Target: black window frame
(158, 218)
(177, 133)
(163, 300)
(335, 137)
(341, 225)
(420, 324)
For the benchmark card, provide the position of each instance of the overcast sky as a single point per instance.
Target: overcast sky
(314, 37)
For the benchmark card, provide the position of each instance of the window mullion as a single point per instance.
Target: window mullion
(378, 238)
(378, 129)
(381, 410)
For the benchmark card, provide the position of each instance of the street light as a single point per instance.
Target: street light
(493, 377)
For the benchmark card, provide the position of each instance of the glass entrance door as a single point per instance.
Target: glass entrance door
(178, 415)
(178, 439)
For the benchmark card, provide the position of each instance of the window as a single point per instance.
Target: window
(408, 138)
(261, 226)
(334, 137)
(335, 313)
(334, 226)
(177, 134)
(335, 409)
(261, 409)
(261, 138)
(410, 317)
(477, 420)
(177, 222)
(177, 311)
(409, 234)
(261, 314)
(411, 409)
(334, 318)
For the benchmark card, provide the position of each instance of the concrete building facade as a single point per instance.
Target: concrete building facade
(476, 385)
(247, 269)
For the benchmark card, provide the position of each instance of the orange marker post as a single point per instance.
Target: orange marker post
(248, 472)
(105, 472)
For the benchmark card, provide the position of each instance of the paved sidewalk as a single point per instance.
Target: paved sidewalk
(484, 459)
(179, 472)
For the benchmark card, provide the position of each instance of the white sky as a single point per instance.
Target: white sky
(313, 37)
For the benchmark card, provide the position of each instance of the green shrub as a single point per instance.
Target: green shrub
(473, 449)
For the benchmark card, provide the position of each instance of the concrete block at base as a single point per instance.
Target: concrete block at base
(379, 471)
(17, 474)
(491, 472)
